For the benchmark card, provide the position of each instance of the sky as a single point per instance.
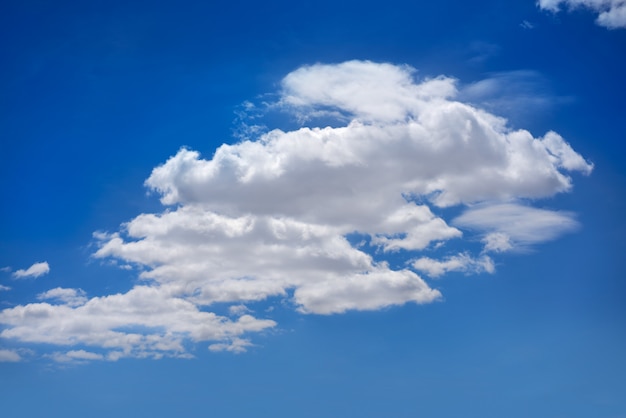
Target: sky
(313, 209)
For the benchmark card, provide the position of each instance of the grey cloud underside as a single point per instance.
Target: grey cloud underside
(269, 216)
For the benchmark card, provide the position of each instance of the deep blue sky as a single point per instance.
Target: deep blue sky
(94, 96)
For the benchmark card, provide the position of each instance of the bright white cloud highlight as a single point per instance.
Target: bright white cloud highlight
(611, 13)
(271, 216)
(36, 270)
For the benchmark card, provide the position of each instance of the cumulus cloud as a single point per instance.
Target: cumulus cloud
(147, 321)
(36, 270)
(271, 216)
(4, 288)
(9, 356)
(611, 13)
(70, 297)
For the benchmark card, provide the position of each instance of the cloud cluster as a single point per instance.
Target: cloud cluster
(611, 13)
(272, 216)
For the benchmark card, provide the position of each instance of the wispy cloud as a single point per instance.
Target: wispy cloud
(520, 94)
(463, 263)
(36, 270)
(509, 226)
(76, 356)
(611, 13)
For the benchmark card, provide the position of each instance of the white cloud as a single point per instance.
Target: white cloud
(238, 309)
(147, 321)
(9, 356)
(36, 270)
(611, 13)
(509, 225)
(497, 242)
(237, 345)
(271, 217)
(70, 297)
(4, 288)
(460, 263)
(76, 356)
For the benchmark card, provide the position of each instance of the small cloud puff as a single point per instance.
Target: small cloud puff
(36, 270)
(463, 263)
(10, 356)
(236, 345)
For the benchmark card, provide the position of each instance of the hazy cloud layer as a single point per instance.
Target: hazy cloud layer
(271, 216)
(611, 13)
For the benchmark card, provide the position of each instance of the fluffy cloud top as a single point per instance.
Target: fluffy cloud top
(36, 270)
(611, 13)
(272, 216)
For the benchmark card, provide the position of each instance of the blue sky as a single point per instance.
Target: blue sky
(313, 209)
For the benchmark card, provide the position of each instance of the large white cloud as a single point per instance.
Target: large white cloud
(147, 321)
(273, 216)
(611, 13)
